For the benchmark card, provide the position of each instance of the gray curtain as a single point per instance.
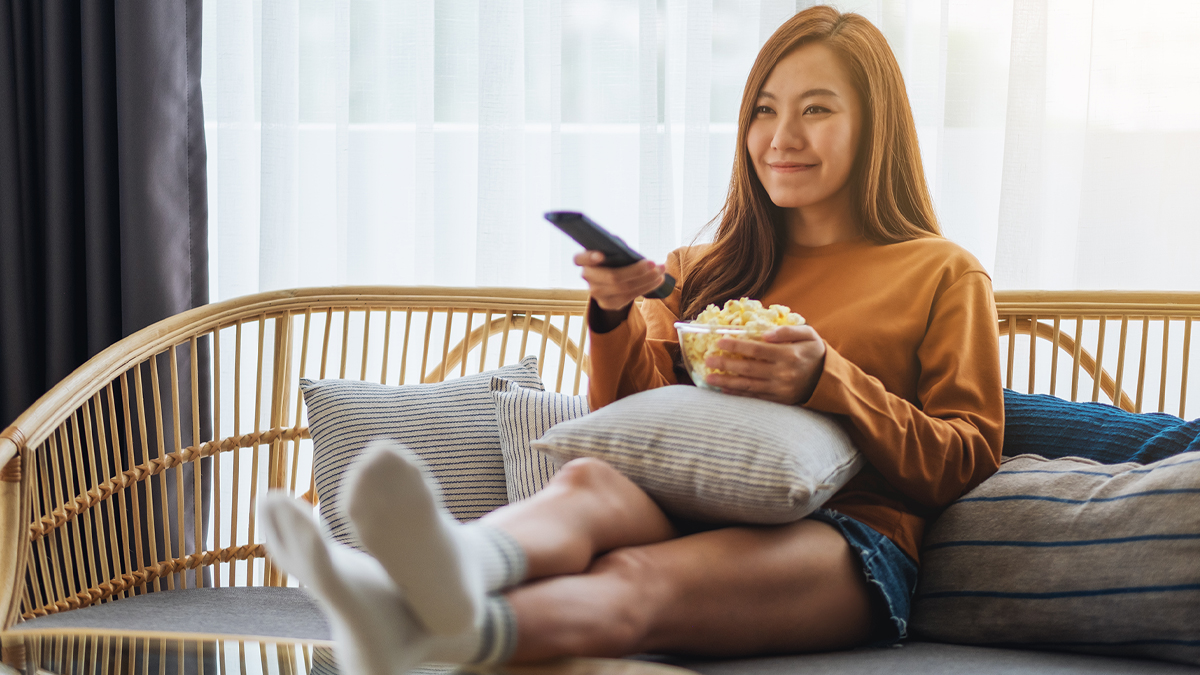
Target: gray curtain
(103, 206)
(103, 216)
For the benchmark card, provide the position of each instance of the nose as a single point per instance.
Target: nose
(789, 135)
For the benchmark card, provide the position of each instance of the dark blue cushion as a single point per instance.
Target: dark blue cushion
(1051, 427)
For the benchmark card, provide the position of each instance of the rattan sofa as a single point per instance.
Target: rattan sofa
(90, 517)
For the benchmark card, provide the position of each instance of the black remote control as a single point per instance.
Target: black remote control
(595, 238)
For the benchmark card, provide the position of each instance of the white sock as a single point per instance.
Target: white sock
(446, 568)
(375, 630)
(491, 642)
(374, 627)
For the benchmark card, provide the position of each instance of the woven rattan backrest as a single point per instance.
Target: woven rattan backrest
(90, 512)
(102, 516)
(1130, 349)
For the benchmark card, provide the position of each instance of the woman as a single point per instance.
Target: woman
(828, 213)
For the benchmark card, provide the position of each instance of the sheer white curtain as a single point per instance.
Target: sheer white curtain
(419, 141)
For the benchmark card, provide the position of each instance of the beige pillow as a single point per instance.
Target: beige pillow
(714, 457)
(1069, 554)
(524, 415)
(450, 425)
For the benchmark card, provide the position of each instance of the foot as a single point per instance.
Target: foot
(375, 630)
(399, 519)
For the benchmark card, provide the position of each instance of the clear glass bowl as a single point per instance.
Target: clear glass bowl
(697, 341)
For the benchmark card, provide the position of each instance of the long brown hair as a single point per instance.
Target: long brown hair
(887, 180)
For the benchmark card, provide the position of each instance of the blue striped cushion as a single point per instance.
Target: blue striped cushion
(712, 457)
(1070, 554)
(1037, 424)
(524, 415)
(451, 425)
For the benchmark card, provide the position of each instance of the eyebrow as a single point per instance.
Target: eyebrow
(810, 92)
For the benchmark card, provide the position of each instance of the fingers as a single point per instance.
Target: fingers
(746, 375)
(784, 334)
(765, 389)
(586, 258)
(643, 275)
(745, 368)
(615, 288)
(776, 336)
(784, 372)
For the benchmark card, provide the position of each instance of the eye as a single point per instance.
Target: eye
(815, 110)
(762, 110)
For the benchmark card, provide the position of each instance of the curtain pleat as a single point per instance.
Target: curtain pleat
(674, 100)
(280, 141)
(420, 20)
(101, 200)
(545, 258)
(21, 377)
(656, 225)
(235, 146)
(341, 106)
(1021, 187)
(922, 30)
(456, 143)
(499, 240)
(62, 226)
(696, 209)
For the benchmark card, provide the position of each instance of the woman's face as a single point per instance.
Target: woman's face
(804, 134)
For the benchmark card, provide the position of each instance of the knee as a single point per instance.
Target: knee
(587, 474)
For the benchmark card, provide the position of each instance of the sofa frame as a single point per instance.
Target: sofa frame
(97, 460)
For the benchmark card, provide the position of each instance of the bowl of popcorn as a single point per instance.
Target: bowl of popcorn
(743, 319)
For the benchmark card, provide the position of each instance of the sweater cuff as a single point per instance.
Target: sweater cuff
(598, 323)
(619, 341)
(827, 396)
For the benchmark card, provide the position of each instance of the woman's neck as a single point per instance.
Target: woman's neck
(824, 223)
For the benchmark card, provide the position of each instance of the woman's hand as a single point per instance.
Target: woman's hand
(783, 368)
(615, 288)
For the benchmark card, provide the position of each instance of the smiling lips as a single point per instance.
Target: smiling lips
(789, 167)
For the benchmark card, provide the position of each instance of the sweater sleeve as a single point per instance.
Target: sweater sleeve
(637, 354)
(949, 440)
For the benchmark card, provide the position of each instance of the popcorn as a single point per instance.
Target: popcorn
(751, 314)
(743, 319)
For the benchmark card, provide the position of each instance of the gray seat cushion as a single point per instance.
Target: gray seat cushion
(931, 658)
(252, 612)
(290, 613)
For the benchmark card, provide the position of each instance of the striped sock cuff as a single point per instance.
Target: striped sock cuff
(502, 560)
(498, 634)
(323, 662)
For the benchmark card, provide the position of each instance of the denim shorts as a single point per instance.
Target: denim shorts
(891, 576)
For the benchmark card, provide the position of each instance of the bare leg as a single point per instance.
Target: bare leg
(446, 569)
(587, 509)
(729, 592)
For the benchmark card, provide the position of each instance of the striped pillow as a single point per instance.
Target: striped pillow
(524, 415)
(712, 457)
(1070, 554)
(451, 425)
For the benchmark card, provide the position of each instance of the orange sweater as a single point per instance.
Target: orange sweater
(911, 368)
